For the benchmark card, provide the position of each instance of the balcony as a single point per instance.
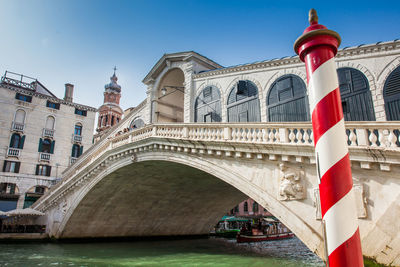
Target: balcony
(76, 138)
(48, 133)
(44, 156)
(73, 160)
(18, 127)
(13, 152)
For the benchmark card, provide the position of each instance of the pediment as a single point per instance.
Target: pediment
(167, 59)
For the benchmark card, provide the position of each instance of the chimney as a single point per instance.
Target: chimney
(69, 92)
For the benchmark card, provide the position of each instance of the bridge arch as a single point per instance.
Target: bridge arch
(218, 186)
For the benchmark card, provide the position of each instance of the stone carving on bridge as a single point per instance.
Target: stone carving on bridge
(290, 183)
(134, 157)
(359, 197)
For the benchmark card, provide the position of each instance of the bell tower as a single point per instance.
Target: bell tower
(110, 113)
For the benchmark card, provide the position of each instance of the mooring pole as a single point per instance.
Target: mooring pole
(317, 47)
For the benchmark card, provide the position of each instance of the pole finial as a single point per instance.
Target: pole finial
(312, 16)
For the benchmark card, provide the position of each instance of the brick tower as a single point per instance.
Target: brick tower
(110, 113)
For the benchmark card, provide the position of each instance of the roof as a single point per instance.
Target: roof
(31, 86)
(180, 56)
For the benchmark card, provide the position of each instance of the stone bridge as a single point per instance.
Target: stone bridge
(179, 179)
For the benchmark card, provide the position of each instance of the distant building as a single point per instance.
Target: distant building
(40, 136)
(249, 208)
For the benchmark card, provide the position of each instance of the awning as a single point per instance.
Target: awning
(233, 219)
(24, 212)
(270, 220)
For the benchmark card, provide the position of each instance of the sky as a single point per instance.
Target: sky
(80, 41)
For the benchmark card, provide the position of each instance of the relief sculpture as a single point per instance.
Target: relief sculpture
(290, 184)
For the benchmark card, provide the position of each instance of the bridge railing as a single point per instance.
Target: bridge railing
(359, 134)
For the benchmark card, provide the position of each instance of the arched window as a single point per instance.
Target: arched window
(391, 95)
(287, 100)
(20, 116)
(243, 104)
(77, 150)
(8, 188)
(50, 120)
(255, 206)
(136, 124)
(40, 190)
(78, 129)
(208, 105)
(245, 207)
(17, 141)
(356, 96)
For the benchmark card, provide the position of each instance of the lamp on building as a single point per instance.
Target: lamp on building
(175, 88)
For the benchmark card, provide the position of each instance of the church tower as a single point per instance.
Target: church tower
(110, 113)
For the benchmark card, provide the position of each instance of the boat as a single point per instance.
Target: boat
(229, 226)
(273, 230)
(242, 238)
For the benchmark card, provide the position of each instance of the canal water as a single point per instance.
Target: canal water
(215, 252)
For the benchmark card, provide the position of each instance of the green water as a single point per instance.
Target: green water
(213, 252)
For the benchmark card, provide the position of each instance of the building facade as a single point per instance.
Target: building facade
(40, 136)
(249, 208)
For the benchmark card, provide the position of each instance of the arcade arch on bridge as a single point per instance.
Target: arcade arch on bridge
(356, 95)
(243, 104)
(391, 95)
(287, 100)
(208, 105)
(169, 100)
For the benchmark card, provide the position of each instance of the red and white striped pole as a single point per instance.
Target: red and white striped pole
(317, 47)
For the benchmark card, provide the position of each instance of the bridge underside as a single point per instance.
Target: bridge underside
(152, 198)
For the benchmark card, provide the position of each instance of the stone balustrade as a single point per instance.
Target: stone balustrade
(48, 133)
(376, 134)
(44, 156)
(13, 152)
(18, 127)
(76, 138)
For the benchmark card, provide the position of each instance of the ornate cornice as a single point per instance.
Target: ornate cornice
(53, 99)
(287, 61)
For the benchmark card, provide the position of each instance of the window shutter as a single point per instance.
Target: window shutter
(17, 164)
(52, 146)
(72, 150)
(80, 150)
(12, 140)
(48, 170)
(5, 166)
(21, 144)
(40, 145)
(242, 88)
(37, 170)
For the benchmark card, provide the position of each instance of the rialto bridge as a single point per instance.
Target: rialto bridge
(179, 179)
(208, 137)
